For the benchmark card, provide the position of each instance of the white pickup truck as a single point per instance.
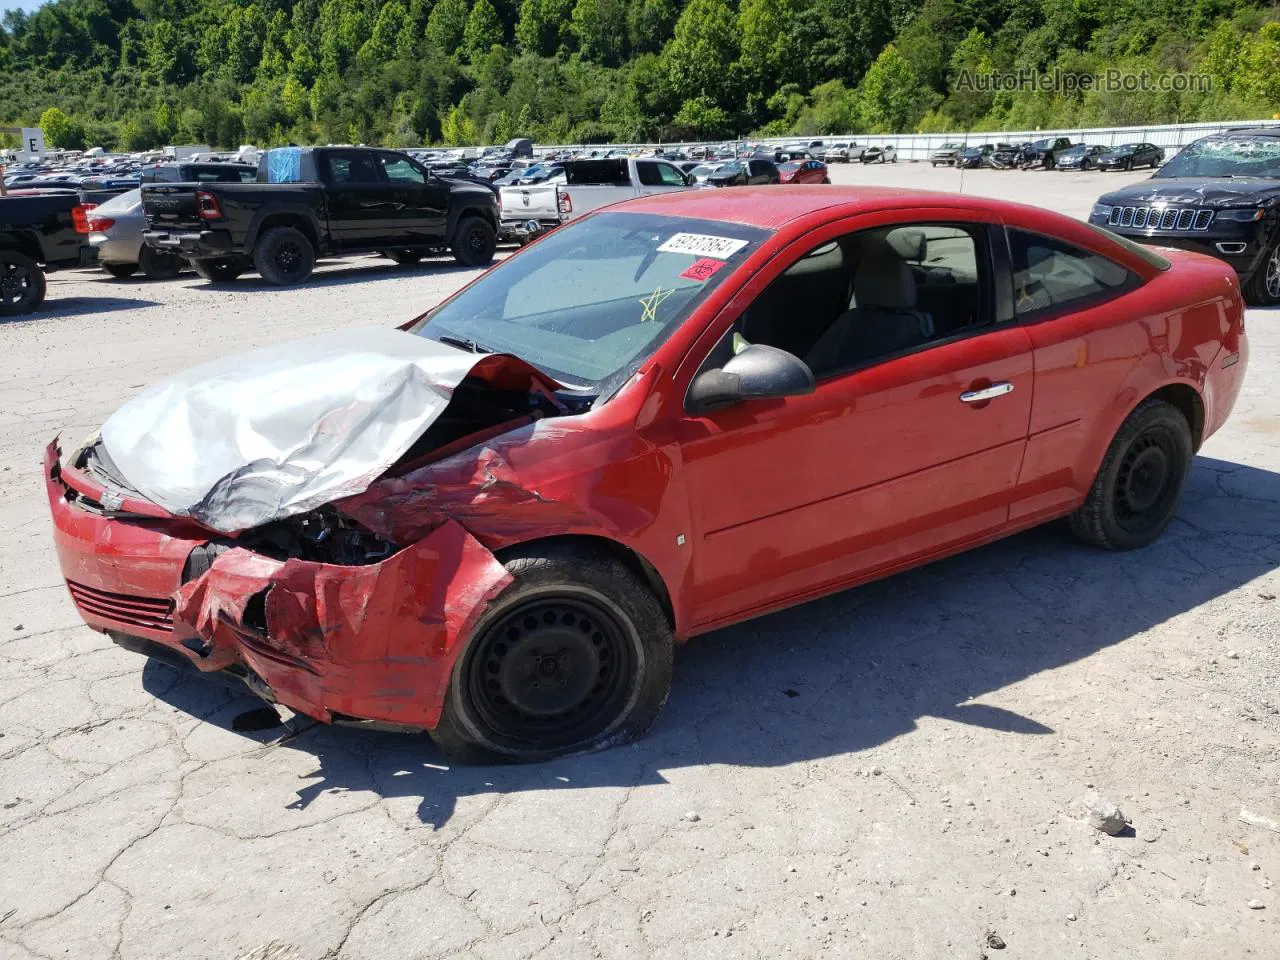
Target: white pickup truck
(589, 185)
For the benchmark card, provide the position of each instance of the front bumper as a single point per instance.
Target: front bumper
(374, 642)
(194, 244)
(1244, 245)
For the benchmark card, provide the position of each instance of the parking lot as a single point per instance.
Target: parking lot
(892, 772)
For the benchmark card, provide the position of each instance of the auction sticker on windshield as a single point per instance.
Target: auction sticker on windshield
(703, 245)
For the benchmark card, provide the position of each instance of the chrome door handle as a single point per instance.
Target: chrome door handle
(987, 393)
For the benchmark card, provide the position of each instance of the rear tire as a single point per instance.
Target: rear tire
(284, 256)
(1263, 288)
(574, 655)
(1139, 485)
(22, 284)
(474, 242)
(121, 271)
(220, 269)
(159, 264)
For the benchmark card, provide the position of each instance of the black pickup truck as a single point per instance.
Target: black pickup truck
(319, 201)
(39, 232)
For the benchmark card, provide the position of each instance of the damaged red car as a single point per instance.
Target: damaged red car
(665, 417)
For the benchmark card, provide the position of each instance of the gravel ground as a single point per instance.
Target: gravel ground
(892, 772)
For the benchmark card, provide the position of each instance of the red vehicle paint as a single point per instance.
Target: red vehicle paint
(803, 171)
(719, 515)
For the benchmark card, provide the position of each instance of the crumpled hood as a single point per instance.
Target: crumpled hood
(1197, 191)
(239, 442)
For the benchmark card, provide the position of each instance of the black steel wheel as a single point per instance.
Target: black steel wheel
(22, 284)
(574, 655)
(284, 256)
(1139, 486)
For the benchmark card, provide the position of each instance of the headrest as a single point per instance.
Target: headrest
(884, 280)
(908, 244)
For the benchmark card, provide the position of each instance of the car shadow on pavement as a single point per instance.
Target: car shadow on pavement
(347, 272)
(852, 671)
(79, 307)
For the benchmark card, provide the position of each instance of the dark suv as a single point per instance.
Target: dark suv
(1220, 196)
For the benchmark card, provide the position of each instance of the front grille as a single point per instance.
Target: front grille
(1161, 218)
(155, 613)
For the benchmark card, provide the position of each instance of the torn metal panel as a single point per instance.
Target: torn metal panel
(239, 442)
(375, 641)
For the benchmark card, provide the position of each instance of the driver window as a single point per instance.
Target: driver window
(671, 177)
(874, 294)
(400, 170)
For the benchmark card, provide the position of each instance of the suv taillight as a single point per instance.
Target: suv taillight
(207, 206)
(80, 216)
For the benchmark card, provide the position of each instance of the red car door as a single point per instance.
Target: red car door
(911, 453)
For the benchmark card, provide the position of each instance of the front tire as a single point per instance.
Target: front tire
(284, 256)
(219, 269)
(574, 655)
(1139, 485)
(1262, 289)
(159, 264)
(22, 284)
(474, 242)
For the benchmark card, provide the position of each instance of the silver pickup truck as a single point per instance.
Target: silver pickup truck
(589, 185)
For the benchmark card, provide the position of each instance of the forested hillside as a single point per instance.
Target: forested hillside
(140, 73)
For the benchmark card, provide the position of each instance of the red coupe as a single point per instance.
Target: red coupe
(803, 171)
(665, 417)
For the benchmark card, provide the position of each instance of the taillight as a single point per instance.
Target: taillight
(100, 224)
(207, 206)
(80, 216)
(566, 203)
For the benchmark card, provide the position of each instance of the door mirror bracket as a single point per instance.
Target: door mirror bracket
(757, 372)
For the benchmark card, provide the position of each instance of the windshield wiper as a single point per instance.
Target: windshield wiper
(462, 343)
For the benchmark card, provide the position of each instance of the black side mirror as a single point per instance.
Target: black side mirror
(758, 371)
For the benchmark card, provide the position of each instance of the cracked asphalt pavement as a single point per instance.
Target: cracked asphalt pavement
(891, 772)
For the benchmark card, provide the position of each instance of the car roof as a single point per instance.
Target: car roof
(770, 208)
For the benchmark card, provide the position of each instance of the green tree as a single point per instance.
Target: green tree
(447, 24)
(381, 45)
(699, 59)
(600, 27)
(970, 64)
(483, 30)
(701, 117)
(889, 95)
(61, 130)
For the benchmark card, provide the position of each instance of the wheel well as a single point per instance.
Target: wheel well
(476, 212)
(22, 243)
(288, 220)
(638, 565)
(1189, 402)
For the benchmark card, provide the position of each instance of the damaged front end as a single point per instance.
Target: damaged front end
(308, 605)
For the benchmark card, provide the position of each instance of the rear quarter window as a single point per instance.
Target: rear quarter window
(1049, 274)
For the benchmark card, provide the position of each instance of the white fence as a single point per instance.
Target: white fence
(1173, 137)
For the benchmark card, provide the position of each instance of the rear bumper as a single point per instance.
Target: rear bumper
(115, 249)
(375, 642)
(195, 244)
(525, 229)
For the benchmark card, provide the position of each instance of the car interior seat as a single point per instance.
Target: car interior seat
(882, 318)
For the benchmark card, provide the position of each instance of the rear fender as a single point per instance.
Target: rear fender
(293, 215)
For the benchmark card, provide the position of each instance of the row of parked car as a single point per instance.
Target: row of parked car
(1052, 153)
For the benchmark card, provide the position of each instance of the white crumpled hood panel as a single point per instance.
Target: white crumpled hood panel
(236, 443)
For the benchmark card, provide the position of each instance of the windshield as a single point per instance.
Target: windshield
(728, 169)
(1227, 157)
(589, 302)
(1126, 148)
(1073, 151)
